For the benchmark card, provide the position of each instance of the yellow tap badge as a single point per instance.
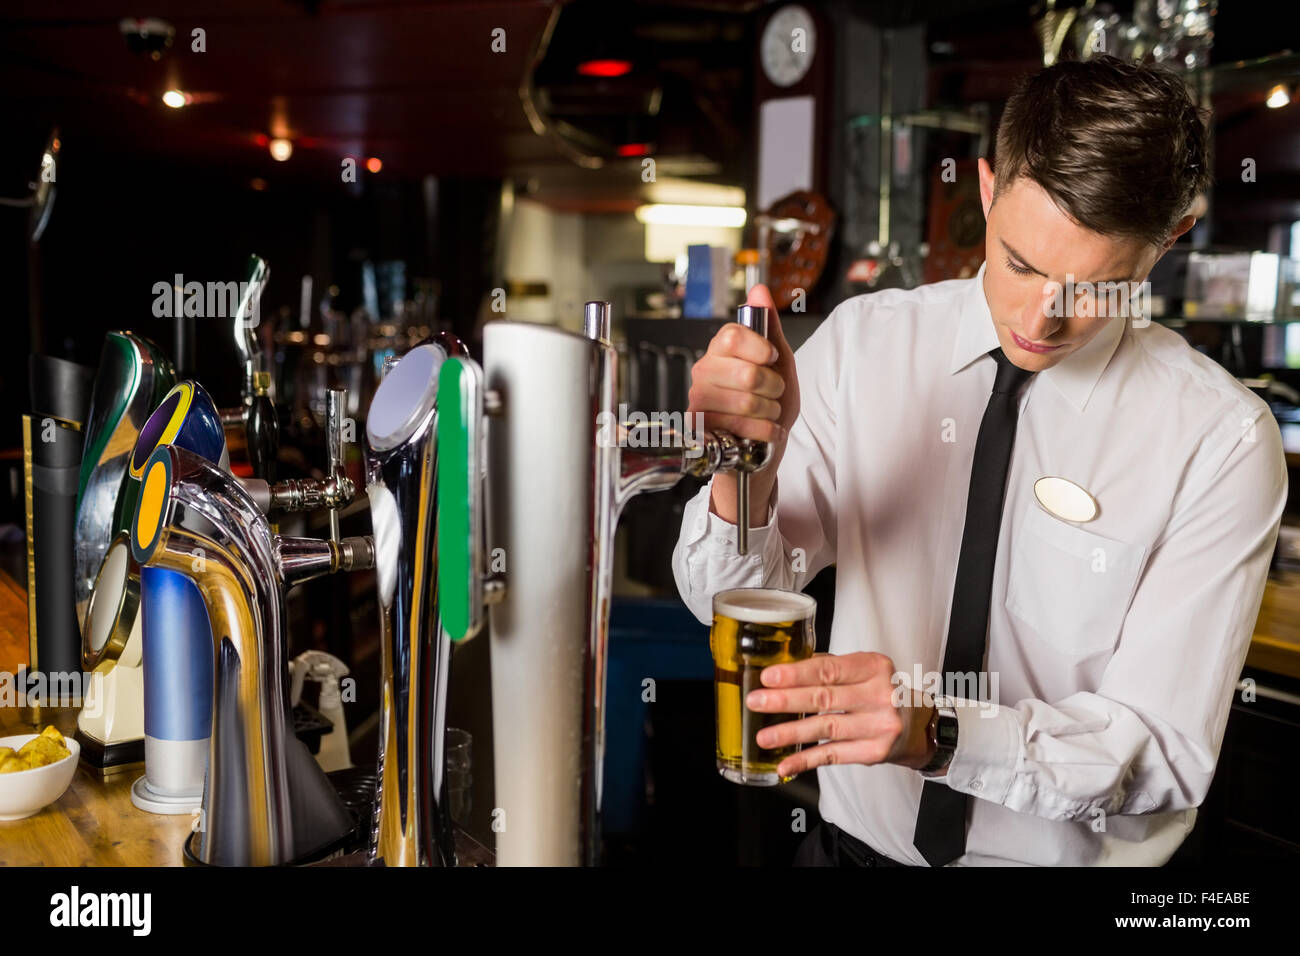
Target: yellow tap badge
(152, 504)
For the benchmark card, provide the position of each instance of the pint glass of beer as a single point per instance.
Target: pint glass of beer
(754, 628)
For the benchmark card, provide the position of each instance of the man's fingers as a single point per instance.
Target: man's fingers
(836, 752)
(736, 341)
(752, 428)
(761, 295)
(729, 401)
(817, 699)
(881, 724)
(827, 669)
(726, 371)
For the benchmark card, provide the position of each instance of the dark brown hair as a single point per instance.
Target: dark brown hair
(1121, 149)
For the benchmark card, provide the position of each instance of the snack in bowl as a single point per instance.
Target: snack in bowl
(34, 771)
(46, 748)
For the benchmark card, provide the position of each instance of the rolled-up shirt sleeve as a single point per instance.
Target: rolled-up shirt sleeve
(1148, 739)
(798, 539)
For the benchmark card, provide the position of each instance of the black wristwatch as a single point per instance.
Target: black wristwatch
(943, 737)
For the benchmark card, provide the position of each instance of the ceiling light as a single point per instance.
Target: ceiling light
(1278, 96)
(175, 99)
(667, 214)
(281, 150)
(605, 68)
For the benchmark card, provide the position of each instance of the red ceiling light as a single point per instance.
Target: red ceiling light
(605, 68)
(634, 149)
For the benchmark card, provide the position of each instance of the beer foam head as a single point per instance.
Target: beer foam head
(763, 605)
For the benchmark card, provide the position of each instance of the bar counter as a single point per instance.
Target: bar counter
(95, 824)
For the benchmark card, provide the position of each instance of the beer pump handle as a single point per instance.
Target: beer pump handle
(465, 585)
(335, 404)
(753, 454)
(247, 316)
(596, 320)
(262, 430)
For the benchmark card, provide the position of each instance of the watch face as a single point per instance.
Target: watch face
(789, 45)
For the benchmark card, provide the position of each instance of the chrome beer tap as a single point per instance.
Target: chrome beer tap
(559, 469)
(335, 491)
(265, 800)
(412, 823)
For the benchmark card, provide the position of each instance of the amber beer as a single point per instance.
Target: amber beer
(754, 628)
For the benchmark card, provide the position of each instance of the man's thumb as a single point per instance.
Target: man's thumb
(761, 295)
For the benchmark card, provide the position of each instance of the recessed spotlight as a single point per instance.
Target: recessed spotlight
(176, 99)
(1278, 97)
(281, 149)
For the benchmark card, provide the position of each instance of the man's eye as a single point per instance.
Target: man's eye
(1018, 270)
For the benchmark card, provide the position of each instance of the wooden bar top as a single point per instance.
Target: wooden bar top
(94, 823)
(1275, 645)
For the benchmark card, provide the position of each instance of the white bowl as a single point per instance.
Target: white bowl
(25, 792)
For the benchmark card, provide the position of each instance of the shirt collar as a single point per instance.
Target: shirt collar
(1074, 377)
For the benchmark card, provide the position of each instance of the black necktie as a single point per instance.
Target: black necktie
(941, 819)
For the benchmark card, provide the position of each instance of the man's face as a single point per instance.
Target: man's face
(1030, 244)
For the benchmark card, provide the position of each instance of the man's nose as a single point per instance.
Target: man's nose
(1043, 316)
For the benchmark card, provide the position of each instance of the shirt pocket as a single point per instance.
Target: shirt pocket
(1071, 586)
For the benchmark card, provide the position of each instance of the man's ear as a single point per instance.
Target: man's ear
(1183, 225)
(986, 185)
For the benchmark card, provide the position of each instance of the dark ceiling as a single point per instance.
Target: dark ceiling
(414, 83)
(417, 84)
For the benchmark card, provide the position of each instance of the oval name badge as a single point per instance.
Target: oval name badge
(1065, 499)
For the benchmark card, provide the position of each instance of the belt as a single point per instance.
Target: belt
(847, 850)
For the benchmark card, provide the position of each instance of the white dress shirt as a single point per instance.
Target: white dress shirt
(1114, 644)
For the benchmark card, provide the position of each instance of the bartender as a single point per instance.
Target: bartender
(1077, 640)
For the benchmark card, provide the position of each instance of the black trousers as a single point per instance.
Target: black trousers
(828, 845)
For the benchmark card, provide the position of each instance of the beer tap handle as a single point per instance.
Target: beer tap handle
(262, 430)
(464, 584)
(753, 454)
(247, 316)
(597, 320)
(335, 404)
